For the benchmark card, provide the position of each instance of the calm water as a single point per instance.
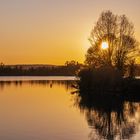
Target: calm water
(45, 109)
(33, 78)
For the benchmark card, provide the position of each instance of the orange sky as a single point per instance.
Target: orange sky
(54, 31)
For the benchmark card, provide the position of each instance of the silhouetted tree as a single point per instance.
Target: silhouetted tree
(118, 32)
(71, 63)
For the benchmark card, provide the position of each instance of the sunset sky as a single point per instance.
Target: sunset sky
(54, 31)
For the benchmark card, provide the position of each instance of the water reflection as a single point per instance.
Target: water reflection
(49, 83)
(39, 110)
(109, 117)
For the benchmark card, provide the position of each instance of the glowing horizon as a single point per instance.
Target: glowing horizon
(54, 31)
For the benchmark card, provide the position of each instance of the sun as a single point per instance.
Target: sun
(104, 45)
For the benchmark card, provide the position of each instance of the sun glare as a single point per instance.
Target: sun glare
(104, 45)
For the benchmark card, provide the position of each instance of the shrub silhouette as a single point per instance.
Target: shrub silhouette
(100, 79)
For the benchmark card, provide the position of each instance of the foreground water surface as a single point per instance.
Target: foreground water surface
(47, 109)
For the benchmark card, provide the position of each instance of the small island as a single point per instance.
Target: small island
(112, 58)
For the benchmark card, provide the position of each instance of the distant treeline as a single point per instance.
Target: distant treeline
(69, 69)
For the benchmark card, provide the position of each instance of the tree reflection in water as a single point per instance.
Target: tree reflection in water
(109, 116)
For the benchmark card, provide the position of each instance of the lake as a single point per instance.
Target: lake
(49, 108)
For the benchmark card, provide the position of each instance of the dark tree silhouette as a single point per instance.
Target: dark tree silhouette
(118, 32)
